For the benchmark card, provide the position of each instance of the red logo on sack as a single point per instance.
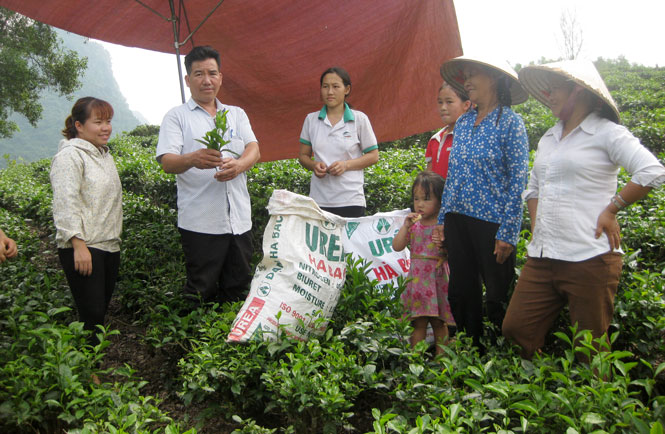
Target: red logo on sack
(246, 319)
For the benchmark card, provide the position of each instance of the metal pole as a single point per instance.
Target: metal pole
(176, 45)
(176, 36)
(182, 85)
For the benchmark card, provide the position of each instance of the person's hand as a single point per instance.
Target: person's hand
(229, 169)
(437, 236)
(607, 222)
(8, 248)
(502, 250)
(82, 259)
(205, 158)
(411, 219)
(337, 168)
(320, 169)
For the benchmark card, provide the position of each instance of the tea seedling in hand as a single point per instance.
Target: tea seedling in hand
(214, 139)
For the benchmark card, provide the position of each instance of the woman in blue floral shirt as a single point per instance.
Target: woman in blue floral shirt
(481, 204)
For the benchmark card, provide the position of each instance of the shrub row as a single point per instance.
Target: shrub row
(360, 375)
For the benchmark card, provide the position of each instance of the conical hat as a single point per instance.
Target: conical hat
(536, 80)
(452, 72)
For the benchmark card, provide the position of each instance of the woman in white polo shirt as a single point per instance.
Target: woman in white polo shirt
(574, 257)
(337, 143)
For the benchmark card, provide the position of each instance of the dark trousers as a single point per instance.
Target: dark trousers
(470, 244)
(218, 266)
(92, 294)
(346, 211)
(546, 285)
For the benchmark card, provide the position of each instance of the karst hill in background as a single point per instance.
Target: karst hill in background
(34, 143)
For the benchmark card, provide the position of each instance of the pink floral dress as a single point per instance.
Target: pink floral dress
(426, 293)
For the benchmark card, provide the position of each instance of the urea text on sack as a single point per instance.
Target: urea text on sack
(326, 244)
(381, 246)
(245, 321)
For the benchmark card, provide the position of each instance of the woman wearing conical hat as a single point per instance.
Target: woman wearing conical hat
(481, 207)
(574, 256)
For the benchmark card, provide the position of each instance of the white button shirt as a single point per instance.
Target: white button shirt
(206, 205)
(574, 179)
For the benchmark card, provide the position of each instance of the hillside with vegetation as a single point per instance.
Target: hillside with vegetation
(35, 143)
(164, 368)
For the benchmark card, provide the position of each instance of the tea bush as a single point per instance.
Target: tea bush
(361, 375)
(46, 364)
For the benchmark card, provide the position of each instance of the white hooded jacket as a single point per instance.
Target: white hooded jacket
(87, 196)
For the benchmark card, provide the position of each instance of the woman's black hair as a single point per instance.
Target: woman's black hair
(503, 90)
(460, 93)
(597, 105)
(346, 78)
(503, 94)
(429, 181)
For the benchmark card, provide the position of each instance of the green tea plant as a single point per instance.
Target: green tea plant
(213, 368)
(214, 139)
(46, 382)
(361, 375)
(25, 190)
(315, 386)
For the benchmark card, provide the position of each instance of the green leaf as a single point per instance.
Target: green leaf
(592, 418)
(525, 405)
(659, 369)
(416, 369)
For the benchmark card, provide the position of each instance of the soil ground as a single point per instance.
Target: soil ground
(158, 370)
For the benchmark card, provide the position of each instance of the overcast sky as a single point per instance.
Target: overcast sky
(522, 31)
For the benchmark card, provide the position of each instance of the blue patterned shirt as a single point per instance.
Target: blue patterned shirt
(488, 170)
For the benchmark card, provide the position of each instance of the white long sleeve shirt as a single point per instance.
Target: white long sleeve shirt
(87, 196)
(574, 179)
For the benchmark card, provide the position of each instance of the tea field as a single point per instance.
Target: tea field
(167, 369)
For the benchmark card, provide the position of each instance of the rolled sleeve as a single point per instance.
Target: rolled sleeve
(627, 151)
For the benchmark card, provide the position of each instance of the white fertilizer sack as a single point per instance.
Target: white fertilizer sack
(301, 273)
(371, 238)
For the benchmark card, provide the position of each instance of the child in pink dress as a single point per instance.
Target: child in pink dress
(426, 295)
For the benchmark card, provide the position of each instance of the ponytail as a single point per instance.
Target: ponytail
(70, 128)
(503, 94)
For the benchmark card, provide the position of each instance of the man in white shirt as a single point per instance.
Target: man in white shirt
(214, 213)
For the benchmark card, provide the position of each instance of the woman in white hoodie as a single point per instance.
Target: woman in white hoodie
(87, 209)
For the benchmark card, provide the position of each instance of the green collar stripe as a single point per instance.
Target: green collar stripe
(348, 114)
